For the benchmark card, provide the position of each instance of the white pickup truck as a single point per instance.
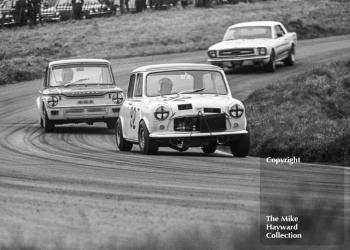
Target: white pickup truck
(261, 43)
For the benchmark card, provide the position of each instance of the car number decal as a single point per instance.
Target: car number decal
(132, 117)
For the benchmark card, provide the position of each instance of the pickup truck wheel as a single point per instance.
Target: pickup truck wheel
(271, 65)
(240, 148)
(290, 60)
(209, 149)
(146, 144)
(41, 122)
(47, 123)
(122, 144)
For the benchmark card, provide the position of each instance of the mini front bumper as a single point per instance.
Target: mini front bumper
(196, 139)
(195, 134)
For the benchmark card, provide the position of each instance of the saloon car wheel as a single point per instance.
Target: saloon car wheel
(48, 124)
(271, 65)
(209, 149)
(240, 147)
(146, 144)
(290, 60)
(122, 144)
(111, 124)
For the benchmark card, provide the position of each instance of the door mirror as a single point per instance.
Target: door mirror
(279, 34)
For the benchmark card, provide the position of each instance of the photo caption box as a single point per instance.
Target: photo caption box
(301, 204)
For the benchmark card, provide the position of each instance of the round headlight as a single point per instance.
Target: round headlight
(262, 51)
(236, 111)
(212, 53)
(161, 113)
(118, 98)
(52, 101)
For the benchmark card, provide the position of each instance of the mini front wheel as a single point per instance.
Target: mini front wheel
(240, 147)
(146, 144)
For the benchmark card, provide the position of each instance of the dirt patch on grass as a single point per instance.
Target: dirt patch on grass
(158, 32)
(307, 116)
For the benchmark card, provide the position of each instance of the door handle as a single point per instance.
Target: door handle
(129, 103)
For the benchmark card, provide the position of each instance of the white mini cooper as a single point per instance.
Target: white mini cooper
(79, 90)
(181, 106)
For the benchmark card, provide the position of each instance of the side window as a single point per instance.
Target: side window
(131, 86)
(46, 77)
(138, 89)
(279, 31)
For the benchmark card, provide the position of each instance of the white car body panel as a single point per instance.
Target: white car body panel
(137, 109)
(79, 103)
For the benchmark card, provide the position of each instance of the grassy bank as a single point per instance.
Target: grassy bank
(25, 51)
(307, 116)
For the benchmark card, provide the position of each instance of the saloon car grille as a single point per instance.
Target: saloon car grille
(86, 110)
(205, 123)
(236, 52)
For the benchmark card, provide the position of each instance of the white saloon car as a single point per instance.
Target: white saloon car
(79, 91)
(181, 106)
(254, 43)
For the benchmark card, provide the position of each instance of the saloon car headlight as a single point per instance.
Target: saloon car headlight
(162, 113)
(236, 111)
(212, 53)
(262, 51)
(118, 97)
(52, 101)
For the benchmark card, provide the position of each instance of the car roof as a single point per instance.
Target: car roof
(75, 61)
(175, 66)
(255, 23)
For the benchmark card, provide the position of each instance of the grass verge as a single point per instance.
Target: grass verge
(24, 51)
(306, 116)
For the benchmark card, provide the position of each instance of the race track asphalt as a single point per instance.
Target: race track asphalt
(73, 185)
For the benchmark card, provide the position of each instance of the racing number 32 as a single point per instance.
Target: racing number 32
(132, 117)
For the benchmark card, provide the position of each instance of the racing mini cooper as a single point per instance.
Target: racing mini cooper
(181, 106)
(79, 91)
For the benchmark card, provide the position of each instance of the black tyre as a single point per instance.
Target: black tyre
(122, 144)
(271, 65)
(47, 123)
(146, 144)
(111, 124)
(41, 122)
(290, 60)
(209, 149)
(240, 148)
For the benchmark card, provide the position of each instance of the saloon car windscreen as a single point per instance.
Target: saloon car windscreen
(185, 82)
(63, 76)
(251, 32)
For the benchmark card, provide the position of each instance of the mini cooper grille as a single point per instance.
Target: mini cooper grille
(212, 110)
(236, 52)
(205, 123)
(184, 106)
